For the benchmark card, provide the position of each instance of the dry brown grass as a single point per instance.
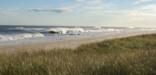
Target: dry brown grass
(127, 56)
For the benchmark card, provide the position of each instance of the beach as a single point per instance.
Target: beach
(68, 42)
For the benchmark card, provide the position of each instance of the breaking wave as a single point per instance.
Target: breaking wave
(28, 29)
(5, 37)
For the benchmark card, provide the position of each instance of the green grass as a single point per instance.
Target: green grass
(126, 56)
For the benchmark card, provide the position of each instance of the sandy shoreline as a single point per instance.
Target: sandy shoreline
(68, 43)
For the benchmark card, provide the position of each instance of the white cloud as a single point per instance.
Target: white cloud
(89, 5)
(148, 10)
(151, 8)
(80, 0)
(140, 13)
(88, 0)
(142, 1)
(9, 12)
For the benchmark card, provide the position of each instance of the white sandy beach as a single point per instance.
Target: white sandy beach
(68, 42)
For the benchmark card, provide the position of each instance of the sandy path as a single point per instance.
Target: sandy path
(68, 43)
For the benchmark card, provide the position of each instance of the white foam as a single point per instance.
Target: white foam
(28, 29)
(104, 30)
(19, 36)
(67, 30)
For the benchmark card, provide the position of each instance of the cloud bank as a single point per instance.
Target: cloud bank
(54, 10)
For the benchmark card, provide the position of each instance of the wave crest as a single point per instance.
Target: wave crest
(20, 36)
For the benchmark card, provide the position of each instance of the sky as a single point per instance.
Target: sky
(138, 13)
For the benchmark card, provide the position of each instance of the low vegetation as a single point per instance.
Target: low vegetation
(126, 56)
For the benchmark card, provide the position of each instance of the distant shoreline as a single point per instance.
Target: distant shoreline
(69, 43)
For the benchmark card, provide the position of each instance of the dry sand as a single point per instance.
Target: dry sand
(67, 43)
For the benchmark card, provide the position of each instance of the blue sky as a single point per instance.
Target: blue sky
(139, 13)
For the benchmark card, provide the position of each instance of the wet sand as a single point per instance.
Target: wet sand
(68, 43)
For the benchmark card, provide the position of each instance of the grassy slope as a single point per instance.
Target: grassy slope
(127, 56)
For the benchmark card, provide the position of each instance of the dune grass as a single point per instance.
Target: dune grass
(126, 56)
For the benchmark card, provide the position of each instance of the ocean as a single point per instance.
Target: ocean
(16, 34)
